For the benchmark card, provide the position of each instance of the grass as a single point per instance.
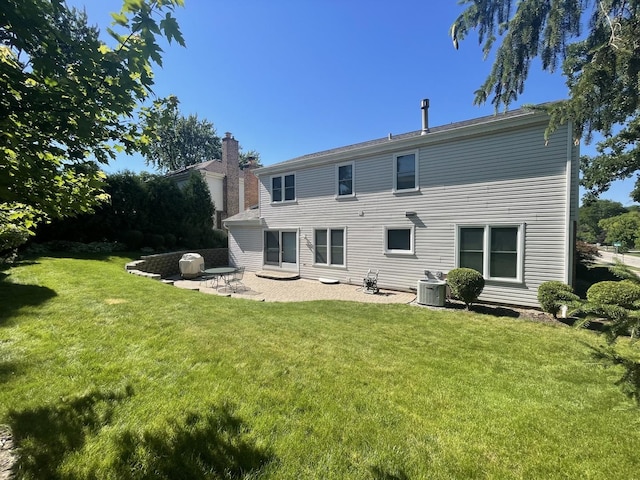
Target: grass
(105, 375)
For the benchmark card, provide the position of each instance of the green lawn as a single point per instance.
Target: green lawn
(105, 375)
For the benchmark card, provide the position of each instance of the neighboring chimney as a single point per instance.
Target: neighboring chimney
(250, 184)
(425, 116)
(230, 158)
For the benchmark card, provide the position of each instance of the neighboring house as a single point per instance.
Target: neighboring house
(230, 188)
(489, 194)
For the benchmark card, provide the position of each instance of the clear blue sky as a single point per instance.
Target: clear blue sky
(292, 77)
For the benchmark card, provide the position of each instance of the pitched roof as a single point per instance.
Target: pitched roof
(250, 216)
(418, 134)
(215, 166)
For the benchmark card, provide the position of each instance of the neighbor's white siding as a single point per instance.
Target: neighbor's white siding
(506, 177)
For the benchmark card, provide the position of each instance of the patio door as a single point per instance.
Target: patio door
(281, 249)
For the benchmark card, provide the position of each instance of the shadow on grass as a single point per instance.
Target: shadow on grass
(14, 296)
(8, 370)
(46, 435)
(380, 473)
(495, 310)
(200, 446)
(629, 382)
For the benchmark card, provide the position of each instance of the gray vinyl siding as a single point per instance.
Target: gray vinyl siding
(507, 177)
(245, 247)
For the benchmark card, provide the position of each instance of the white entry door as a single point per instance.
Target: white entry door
(281, 249)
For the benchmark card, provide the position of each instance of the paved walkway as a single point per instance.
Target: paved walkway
(610, 257)
(268, 290)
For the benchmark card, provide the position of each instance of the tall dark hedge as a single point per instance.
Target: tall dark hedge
(145, 210)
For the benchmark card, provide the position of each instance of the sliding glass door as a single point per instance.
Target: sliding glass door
(281, 249)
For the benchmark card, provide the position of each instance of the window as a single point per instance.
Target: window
(330, 246)
(398, 240)
(496, 251)
(283, 188)
(405, 171)
(345, 180)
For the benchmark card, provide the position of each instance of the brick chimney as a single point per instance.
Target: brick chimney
(250, 184)
(230, 158)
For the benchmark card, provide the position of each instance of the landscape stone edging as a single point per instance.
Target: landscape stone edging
(162, 265)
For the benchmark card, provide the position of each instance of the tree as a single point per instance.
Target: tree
(250, 156)
(180, 141)
(69, 103)
(602, 69)
(591, 213)
(197, 223)
(623, 229)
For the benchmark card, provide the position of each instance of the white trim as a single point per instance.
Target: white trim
(416, 177)
(412, 239)
(568, 230)
(486, 249)
(353, 180)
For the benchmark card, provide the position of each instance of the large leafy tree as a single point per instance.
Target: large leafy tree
(69, 102)
(180, 141)
(589, 216)
(596, 44)
(177, 141)
(623, 229)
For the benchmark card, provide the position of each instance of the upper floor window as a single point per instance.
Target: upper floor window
(330, 246)
(345, 178)
(405, 171)
(398, 240)
(283, 188)
(496, 251)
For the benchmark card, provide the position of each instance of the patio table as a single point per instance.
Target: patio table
(218, 272)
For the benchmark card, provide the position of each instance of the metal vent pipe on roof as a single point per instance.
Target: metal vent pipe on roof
(425, 116)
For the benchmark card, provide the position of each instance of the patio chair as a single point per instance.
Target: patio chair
(370, 282)
(234, 280)
(205, 277)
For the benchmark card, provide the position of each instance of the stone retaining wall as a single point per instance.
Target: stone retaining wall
(166, 264)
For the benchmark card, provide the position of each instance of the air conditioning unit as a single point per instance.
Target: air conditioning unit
(432, 292)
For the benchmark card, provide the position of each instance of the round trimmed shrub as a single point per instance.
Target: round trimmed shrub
(466, 284)
(623, 293)
(553, 295)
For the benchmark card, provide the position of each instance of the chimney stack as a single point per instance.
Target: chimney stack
(425, 116)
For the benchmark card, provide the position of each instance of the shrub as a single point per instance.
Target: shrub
(466, 284)
(154, 240)
(553, 295)
(170, 240)
(623, 294)
(132, 239)
(587, 253)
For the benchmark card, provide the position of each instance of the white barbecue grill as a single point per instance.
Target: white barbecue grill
(191, 265)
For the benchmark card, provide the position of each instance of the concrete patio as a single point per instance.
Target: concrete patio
(300, 290)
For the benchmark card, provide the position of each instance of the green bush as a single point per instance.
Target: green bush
(170, 240)
(133, 239)
(553, 295)
(623, 294)
(466, 284)
(154, 240)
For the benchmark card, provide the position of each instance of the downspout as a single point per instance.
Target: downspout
(569, 247)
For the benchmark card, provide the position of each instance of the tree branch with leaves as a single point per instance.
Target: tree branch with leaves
(70, 101)
(601, 67)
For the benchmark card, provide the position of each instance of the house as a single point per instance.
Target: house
(231, 189)
(490, 194)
